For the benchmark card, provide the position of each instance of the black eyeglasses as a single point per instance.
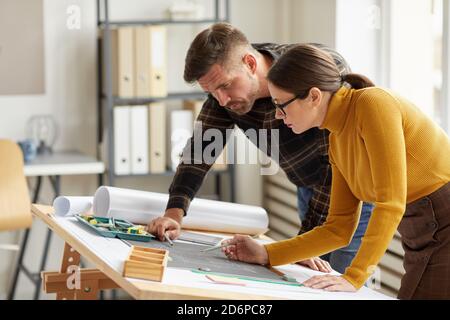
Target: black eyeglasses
(281, 106)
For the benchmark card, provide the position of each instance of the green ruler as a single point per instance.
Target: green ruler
(287, 283)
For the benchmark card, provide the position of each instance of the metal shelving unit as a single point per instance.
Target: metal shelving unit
(106, 100)
(145, 100)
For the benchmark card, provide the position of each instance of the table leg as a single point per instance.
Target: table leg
(70, 258)
(23, 247)
(56, 184)
(73, 282)
(48, 240)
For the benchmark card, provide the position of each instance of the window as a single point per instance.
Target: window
(437, 39)
(417, 50)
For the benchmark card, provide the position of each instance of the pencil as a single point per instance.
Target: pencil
(168, 239)
(221, 245)
(217, 246)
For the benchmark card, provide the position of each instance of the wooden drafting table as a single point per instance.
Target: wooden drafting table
(108, 256)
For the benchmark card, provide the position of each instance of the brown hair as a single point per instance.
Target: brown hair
(305, 66)
(212, 45)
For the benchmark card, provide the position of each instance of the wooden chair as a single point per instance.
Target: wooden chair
(15, 204)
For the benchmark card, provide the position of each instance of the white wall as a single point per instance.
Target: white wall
(349, 26)
(358, 35)
(411, 49)
(313, 21)
(70, 71)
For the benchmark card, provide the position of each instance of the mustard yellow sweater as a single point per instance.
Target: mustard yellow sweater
(383, 150)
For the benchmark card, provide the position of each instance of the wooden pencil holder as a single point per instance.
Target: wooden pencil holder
(146, 263)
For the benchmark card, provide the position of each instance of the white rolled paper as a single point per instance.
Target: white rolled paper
(141, 207)
(69, 206)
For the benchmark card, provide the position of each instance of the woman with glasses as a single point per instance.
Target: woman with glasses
(383, 150)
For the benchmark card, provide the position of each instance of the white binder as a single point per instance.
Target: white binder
(196, 106)
(157, 123)
(122, 165)
(180, 131)
(139, 139)
(158, 61)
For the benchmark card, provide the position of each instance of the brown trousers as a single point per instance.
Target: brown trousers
(425, 231)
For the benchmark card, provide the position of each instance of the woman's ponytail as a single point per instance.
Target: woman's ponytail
(357, 81)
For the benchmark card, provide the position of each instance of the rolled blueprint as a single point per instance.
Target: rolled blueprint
(141, 207)
(69, 206)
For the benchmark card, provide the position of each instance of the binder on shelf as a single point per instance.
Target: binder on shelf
(181, 126)
(151, 61)
(122, 54)
(196, 106)
(139, 139)
(157, 133)
(129, 54)
(122, 164)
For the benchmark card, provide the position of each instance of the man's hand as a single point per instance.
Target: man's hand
(330, 283)
(316, 264)
(170, 223)
(244, 248)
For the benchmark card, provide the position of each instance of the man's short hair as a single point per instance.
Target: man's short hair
(212, 45)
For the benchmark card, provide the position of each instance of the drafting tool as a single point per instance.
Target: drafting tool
(225, 280)
(288, 283)
(115, 228)
(221, 245)
(199, 238)
(168, 239)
